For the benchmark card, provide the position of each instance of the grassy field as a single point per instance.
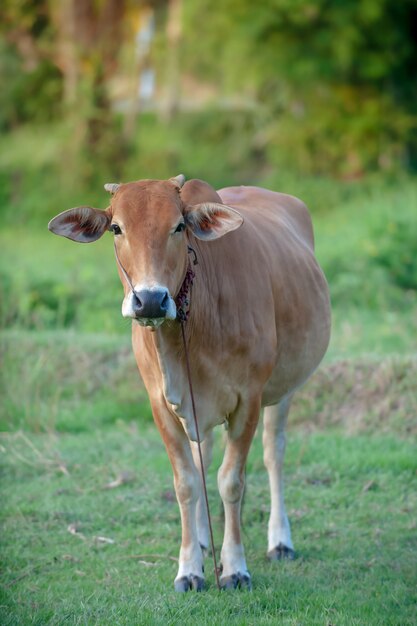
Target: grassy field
(90, 525)
(91, 530)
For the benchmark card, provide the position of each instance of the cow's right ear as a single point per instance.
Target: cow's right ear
(82, 224)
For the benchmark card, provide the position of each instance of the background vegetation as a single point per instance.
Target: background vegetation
(314, 98)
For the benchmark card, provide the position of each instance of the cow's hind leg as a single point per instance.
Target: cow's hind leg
(202, 518)
(279, 533)
(186, 481)
(231, 481)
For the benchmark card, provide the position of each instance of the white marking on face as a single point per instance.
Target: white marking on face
(127, 305)
(171, 313)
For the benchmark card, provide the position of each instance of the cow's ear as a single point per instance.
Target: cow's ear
(82, 224)
(210, 220)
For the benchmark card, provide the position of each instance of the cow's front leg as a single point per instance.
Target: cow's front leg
(279, 535)
(231, 481)
(186, 481)
(202, 518)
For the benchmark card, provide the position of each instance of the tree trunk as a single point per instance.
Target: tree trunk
(174, 32)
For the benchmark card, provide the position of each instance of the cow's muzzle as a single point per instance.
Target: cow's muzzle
(150, 307)
(150, 303)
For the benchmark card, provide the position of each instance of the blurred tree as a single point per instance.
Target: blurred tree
(89, 40)
(32, 84)
(338, 80)
(25, 24)
(335, 82)
(74, 44)
(172, 78)
(89, 36)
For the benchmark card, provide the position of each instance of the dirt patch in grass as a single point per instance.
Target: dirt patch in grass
(361, 396)
(70, 382)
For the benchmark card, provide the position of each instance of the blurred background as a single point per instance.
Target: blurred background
(316, 98)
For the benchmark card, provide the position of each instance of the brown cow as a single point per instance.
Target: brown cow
(259, 325)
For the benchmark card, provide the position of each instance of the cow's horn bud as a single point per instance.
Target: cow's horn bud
(111, 187)
(178, 181)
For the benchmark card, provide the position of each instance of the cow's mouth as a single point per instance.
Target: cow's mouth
(151, 322)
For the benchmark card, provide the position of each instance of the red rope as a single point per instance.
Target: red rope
(216, 571)
(182, 301)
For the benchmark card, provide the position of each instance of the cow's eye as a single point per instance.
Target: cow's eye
(116, 230)
(180, 228)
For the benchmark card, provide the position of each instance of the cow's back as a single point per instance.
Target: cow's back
(268, 205)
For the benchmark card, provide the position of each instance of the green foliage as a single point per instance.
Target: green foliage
(51, 283)
(64, 382)
(335, 96)
(360, 268)
(17, 103)
(331, 86)
(29, 72)
(395, 249)
(44, 303)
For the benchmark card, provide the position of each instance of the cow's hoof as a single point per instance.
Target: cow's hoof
(187, 583)
(243, 581)
(281, 552)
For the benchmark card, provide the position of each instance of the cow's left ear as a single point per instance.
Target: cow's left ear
(210, 220)
(82, 224)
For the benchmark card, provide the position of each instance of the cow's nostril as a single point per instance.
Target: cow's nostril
(165, 302)
(137, 304)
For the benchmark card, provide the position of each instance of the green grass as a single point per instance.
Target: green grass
(77, 420)
(63, 381)
(359, 331)
(352, 501)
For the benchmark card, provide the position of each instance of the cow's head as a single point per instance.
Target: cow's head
(151, 221)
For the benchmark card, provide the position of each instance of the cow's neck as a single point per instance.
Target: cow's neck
(171, 359)
(169, 348)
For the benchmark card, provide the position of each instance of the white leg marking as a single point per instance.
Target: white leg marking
(275, 419)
